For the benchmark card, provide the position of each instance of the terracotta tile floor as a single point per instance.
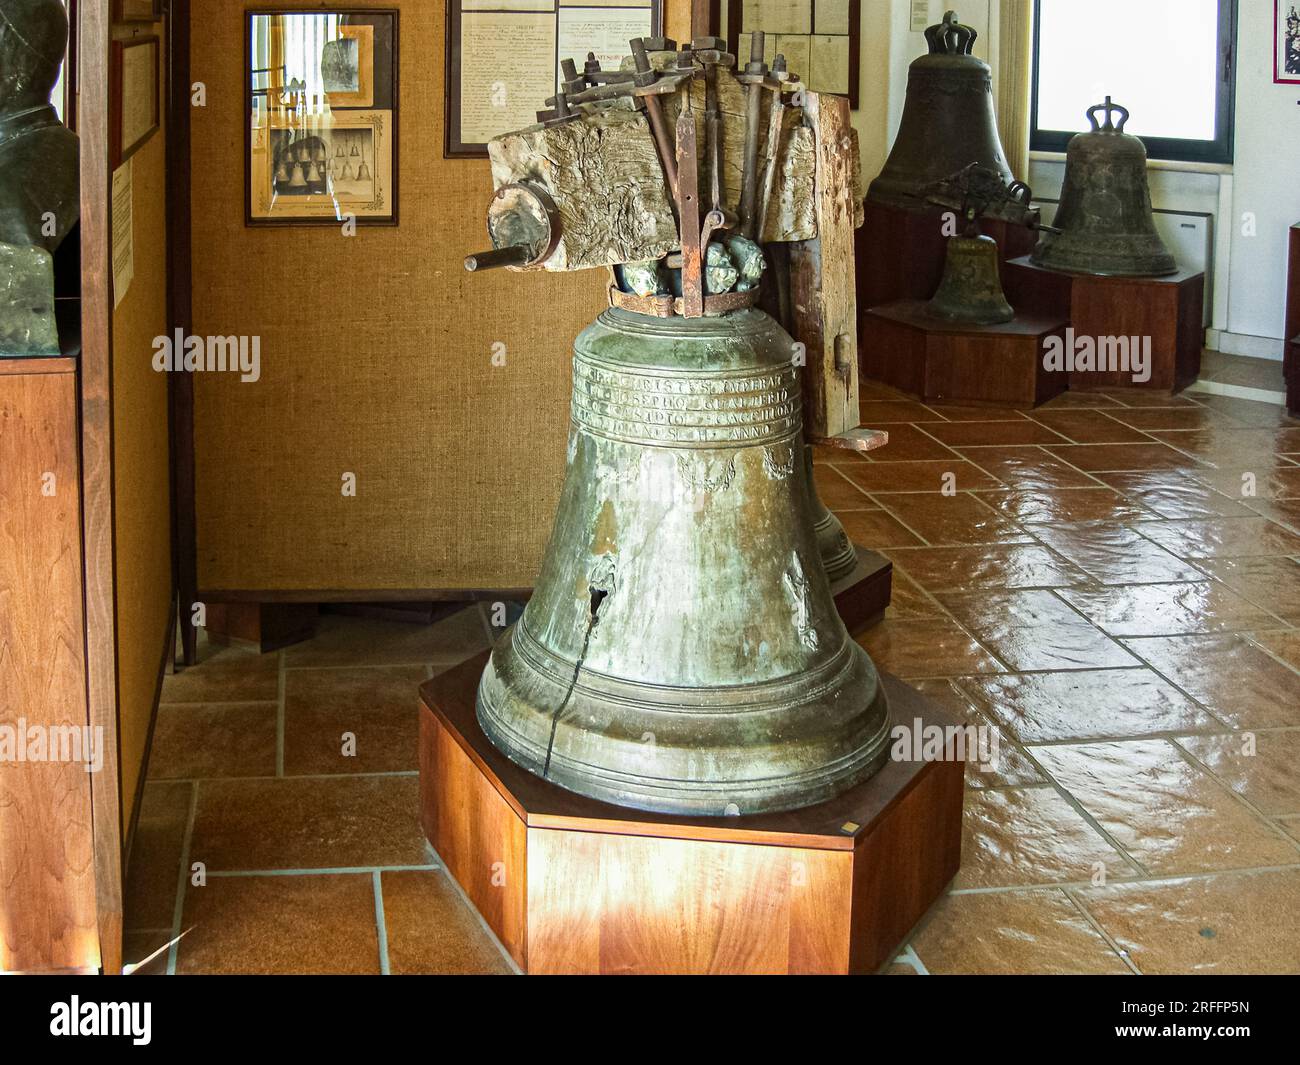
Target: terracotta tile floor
(1096, 581)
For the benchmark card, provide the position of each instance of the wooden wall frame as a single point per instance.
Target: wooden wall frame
(393, 13)
(736, 15)
(122, 149)
(137, 10)
(453, 146)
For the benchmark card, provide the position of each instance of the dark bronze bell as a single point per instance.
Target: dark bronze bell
(971, 289)
(948, 120)
(1104, 222)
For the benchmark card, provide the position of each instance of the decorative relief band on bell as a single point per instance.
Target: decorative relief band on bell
(749, 409)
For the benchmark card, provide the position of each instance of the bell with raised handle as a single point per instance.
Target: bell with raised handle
(1104, 223)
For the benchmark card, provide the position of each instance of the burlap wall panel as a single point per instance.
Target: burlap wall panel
(141, 478)
(376, 360)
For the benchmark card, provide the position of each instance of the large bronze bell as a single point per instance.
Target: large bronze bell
(948, 121)
(681, 651)
(1104, 220)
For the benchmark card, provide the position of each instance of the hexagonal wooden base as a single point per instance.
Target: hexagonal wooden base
(571, 885)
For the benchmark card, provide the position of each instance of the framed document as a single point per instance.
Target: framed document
(503, 58)
(133, 96)
(137, 10)
(321, 138)
(820, 39)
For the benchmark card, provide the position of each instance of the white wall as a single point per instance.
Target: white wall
(1265, 180)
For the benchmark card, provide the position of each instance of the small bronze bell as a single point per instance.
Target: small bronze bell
(948, 120)
(971, 289)
(1104, 223)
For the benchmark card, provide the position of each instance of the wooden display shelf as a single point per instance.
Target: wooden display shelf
(572, 885)
(952, 362)
(863, 596)
(900, 252)
(1169, 310)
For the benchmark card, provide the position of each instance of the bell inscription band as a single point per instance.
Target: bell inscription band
(948, 121)
(681, 651)
(1104, 223)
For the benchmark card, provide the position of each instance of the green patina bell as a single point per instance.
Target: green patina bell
(681, 651)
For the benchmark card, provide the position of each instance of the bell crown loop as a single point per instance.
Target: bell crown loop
(1110, 108)
(950, 37)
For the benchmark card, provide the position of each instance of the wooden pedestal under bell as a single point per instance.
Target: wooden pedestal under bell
(904, 346)
(572, 885)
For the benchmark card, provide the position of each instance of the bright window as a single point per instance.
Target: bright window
(1168, 61)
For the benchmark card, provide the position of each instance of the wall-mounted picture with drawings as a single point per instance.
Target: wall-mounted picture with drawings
(1287, 32)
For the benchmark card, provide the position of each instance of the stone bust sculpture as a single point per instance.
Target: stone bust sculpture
(39, 181)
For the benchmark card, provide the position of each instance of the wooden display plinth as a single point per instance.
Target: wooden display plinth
(571, 885)
(1169, 310)
(863, 596)
(900, 253)
(933, 360)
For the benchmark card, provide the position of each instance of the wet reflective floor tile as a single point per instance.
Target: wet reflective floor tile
(951, 519)
(1176, 418)
(1034, 630)
(1028, 467)
(345, 641)
(993, 566)
(908, 599)
(1268, 581)
(1175, 495)
(1017, 837)
(883, 412)
(1210, 443)
(1008, 932)
(1065, 505)
(1167, 813)
(874, 529)
(1231, 677)
(1221, 537)
(937, 476)
(926, 647)
(1261, 767)
(1115, 554)
(1086, 705)
(1111, 458)
(1166, 609)
(907, 443)
(994, 760)
(1248, 412)
(1233, 923)
(981, 433)
(1090, 426)
(838, 492)
(1283, 644)
(225, 675)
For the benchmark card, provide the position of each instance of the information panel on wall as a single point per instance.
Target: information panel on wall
(503, 58)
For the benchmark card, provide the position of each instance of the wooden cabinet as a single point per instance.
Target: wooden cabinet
(47, 876)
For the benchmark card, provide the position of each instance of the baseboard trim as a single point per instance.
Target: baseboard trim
(1252, 347)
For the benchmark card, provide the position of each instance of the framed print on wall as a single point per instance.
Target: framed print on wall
(133, 96)
(1287, 33)
(820, 39)
(321, 95)
(137, 10)
(503, 58)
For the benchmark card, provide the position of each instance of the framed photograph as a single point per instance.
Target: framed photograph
(137, 10)
(1287, 41)
(503, 58)
(133, 96)
(321, 139)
